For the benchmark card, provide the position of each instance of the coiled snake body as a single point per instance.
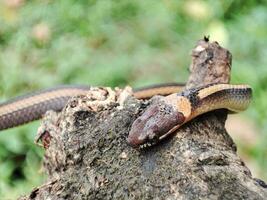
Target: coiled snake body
(157, 122)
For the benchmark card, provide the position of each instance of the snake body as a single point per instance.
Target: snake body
(32, 106)
(158, 121)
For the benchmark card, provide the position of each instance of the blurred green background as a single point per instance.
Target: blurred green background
(116, 43)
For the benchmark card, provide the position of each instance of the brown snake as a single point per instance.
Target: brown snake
(157, 122)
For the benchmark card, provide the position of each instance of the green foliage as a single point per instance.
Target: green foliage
(115, 43)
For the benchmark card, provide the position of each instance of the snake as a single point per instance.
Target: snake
(177, 107)
(164, 117)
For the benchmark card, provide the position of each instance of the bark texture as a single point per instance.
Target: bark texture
(87, 156)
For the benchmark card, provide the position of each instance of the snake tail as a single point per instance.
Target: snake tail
(32, 106)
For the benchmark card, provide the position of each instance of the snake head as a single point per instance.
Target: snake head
(156, 122)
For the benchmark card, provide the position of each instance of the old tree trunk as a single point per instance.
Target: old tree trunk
(87, 156)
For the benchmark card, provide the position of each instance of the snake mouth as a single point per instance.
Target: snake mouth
(142, 139)
(147, 144)
(162, 137)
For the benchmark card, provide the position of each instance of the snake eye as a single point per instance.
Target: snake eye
(180, 118)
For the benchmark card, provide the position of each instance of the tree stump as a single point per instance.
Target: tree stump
(87, 156)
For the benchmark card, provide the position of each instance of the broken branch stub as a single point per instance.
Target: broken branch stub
(87, 156)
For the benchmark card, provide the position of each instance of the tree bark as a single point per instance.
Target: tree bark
(87, 156)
